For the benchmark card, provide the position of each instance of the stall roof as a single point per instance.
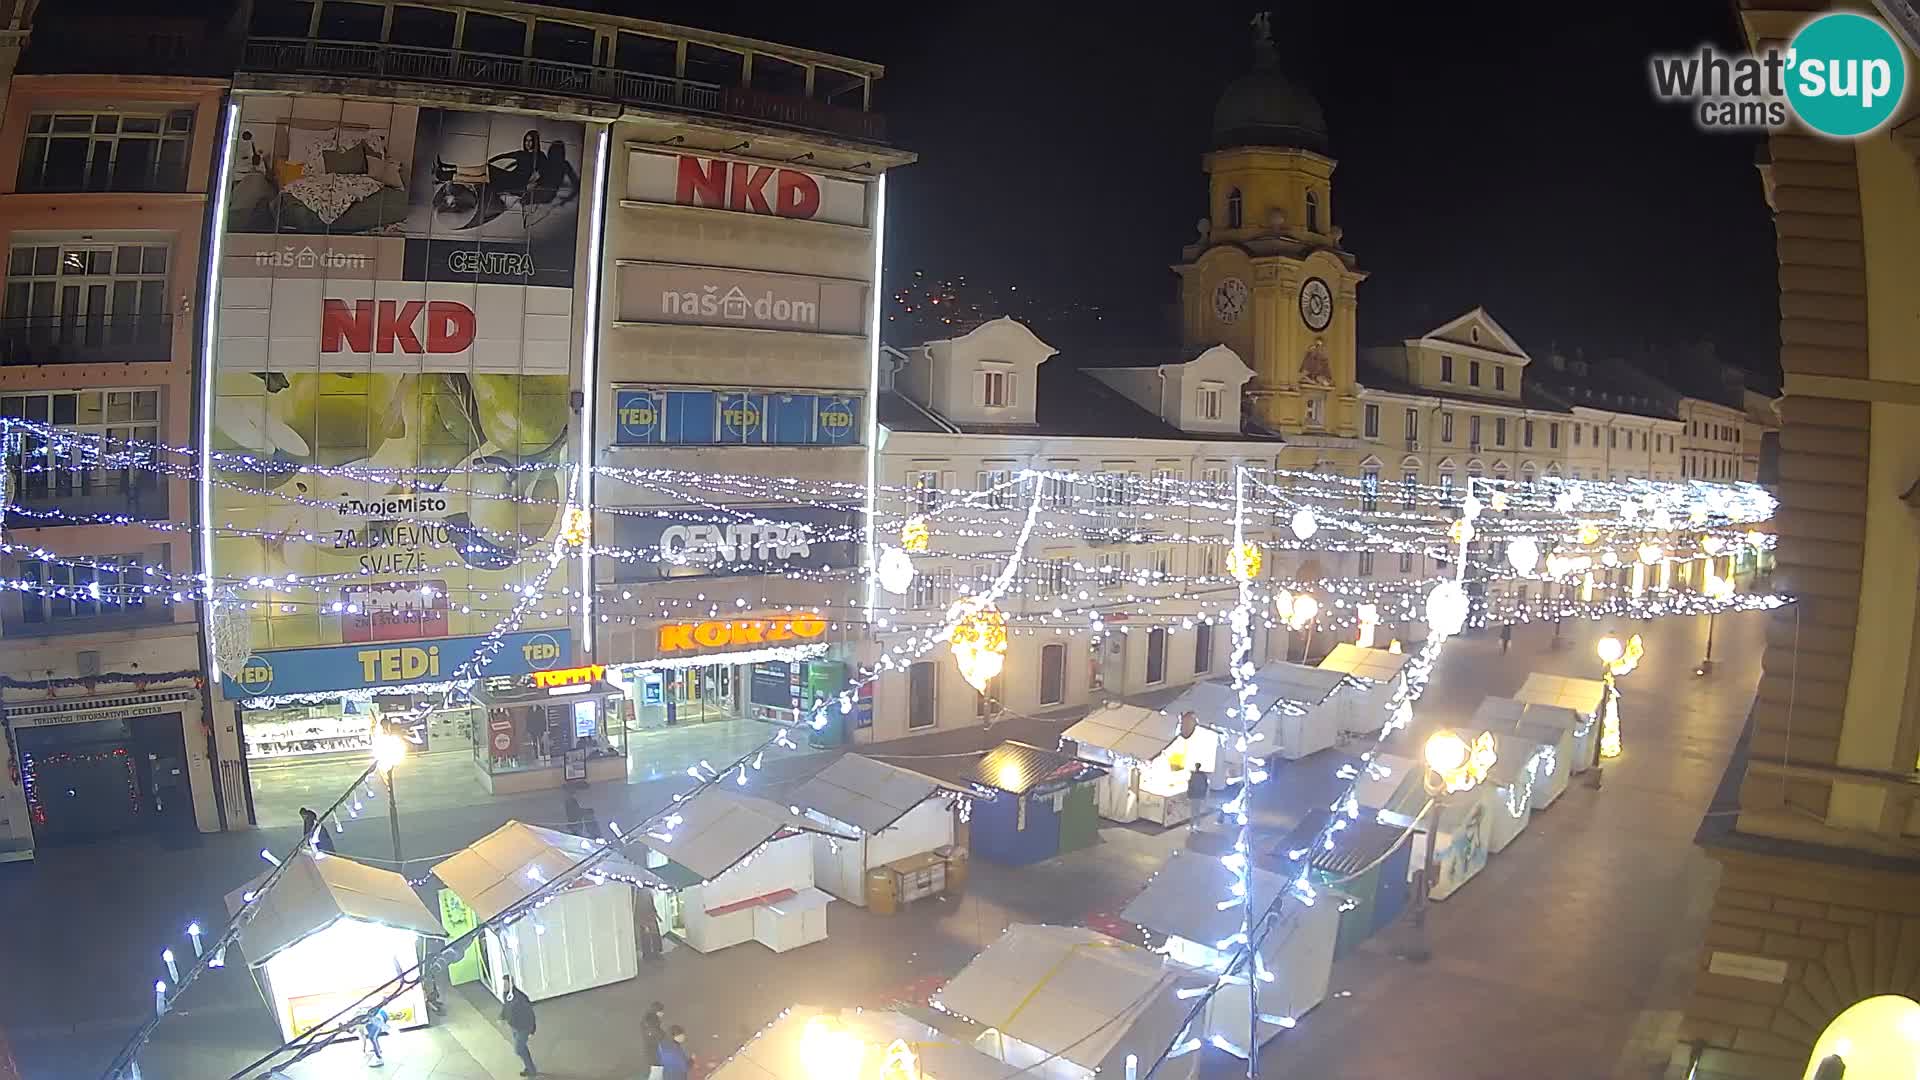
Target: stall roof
(719, 827)
(1128, 730)
(1278, 681)
(1012, 767)
(1183, 899)
(316, 892)
(1295, 801)
(1378, 665)
(774, 1054)
(1358, 846)
(505, 866)
(1075, 993)
(1505, 715)
(1583, 696)
(864, 793)
(1384, 784)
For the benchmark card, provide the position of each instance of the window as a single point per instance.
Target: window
(109, 151)
(1167, 484)
(1053, 674)
(1473, 431)
(922, 678)
(81, 295)
(1056, 577)
(1446, 369)
(1316, 410)
(1499, 376)
(1446, 428)
(1156, 656)
(1113, 568)
(1202, 648)
(1406, 562)
(1446, 481)
(1596, 434)
(1313, 211)
(1372, 421)
(1370, 488)
(998, 486)
(98, 591)
(996, 388)
(932, 590)
(1526, 473)
(1207, 401)
(1112, 489)
(1577, 429)
(1056, 492)
(70, 475)
(926, 490)
(1473, 373)
(1162, 561)
(1553, 437)
(1209, 565)
(1499, 431)
(1413, 425)
(1409, 486)
(1365, 567)
(1213, 476)
(1526, 433)
(1613, 438)
(1234, 211)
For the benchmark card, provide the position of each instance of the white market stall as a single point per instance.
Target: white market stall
(1297, 714)
(581, 938)
(739, 868)
(898, 816)
(1065, 1003)
(1378, 674)
(1543, 734)
(857, 1044)
(1464, 823)
(1583, 697)
(327, 934)
(1182, 901)
(1149, 762)
(1511, 779)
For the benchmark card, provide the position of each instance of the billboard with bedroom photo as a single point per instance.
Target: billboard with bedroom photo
(395, 349)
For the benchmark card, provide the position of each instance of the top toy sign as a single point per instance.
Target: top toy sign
(744, 187)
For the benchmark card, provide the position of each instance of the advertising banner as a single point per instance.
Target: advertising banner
(645, 416)
(361, 667)
(779, 538)
(717, 296)
(394, 348)
(744, 187)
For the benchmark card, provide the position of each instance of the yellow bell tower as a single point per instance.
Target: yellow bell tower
(1267, 276)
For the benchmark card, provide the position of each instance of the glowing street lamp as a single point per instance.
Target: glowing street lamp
(390, 749)
(1616, 658)
(1453, 766)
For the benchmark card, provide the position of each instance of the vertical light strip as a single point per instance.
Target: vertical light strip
(873, 386)
(590, 378)
(209, 333)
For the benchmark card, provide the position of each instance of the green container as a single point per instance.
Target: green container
(825, 679)
(458, 918)
(1356, 923)
(1079, 819)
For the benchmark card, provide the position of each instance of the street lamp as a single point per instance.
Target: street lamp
(1453, 766)
(1719, 590)
(390, 749)
(1616, 658)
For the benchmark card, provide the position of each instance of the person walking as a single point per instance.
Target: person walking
(314, 832)
(646, 923)
(1506, 638)
(371, 1029)
(653, 1036)
(517, 1010)
(676, 1061)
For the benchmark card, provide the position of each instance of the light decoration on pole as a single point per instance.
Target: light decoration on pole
(576, 528)
(1455, 765)
(1620, 659)
(1650, 553)
(978, 641)
(1523, 554)
(914, 534)
(1588, 534)
(1303, 524)
(1712, 545)
(389, 750)
(895, 570)
(1460, 532)
(1301, 609)
(1447, 609)
(1244, 562)
(1369, 616)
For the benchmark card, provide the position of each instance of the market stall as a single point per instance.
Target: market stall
(1463, 820)
(547, 729)
(1030, 804)
(1065, 1003)
(1583, 697)
(739, 868)
(330, 931)
(1182, 901)
(904, 822)
(1377, 675)
(1543, 734)
(1298, 714)
(856, 1044)
(581, 938)
(1149, 761)
(1512, 781)
(1368, 869)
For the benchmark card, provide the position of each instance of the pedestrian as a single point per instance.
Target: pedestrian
(517, 1010)
(652, 1037)
(646, 923)
(676, 1061)
(574, 814)
(1506, 637)
(374, 1026)
(311, 831)
(1196, 776)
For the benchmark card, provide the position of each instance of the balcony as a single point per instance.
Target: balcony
(106, 339)
(34, 503)
(461, 67)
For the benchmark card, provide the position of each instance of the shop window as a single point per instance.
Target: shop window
(107, 151)
(1156, 656)
(921, 680)
(1053, 674)
(1202, 648)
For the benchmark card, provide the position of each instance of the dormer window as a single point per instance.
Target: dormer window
(1313, 211)
(1234, 212)
(1206, 405)
(996, 388)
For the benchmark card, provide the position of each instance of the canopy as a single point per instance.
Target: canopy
(776, 1052)
(1127, 730)
(719, 827)
(1184, 897)
(315, 892)
(867, 794)
(1506, 715)
(505, 866)
(1583, 696)
(1376, 665)
(1076, 994)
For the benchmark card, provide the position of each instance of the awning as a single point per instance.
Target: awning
(1127, 730)
(315, 892)
(1375, 665)
(1583, 696)
(718, 828)
(776, 1054)
(867, 794)
(508, 864)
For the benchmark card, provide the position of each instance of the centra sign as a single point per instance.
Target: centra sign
(737, 633)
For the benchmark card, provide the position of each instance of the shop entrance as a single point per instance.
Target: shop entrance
(103, 778)
(675, 697)
(306, 755)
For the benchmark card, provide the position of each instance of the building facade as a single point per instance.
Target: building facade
(106, 161)
(1818, 903)
(1713, 444)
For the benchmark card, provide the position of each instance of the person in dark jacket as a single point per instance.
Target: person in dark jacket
(314, 832)
(653, 1036)
(646, 923)
(676, 1061)
(517, 1010)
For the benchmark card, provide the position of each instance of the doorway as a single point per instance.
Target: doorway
(98, 779)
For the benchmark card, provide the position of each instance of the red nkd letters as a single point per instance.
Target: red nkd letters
(390, 326)
(737, 185)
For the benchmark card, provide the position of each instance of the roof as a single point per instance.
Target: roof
(1373, 377)
(897, 412)
(775, 1053)
(1378, 665)
(314, 892)
(1265, 108)
(718, 828)
(1075, 993)
(1583, 696)
(1017, 768)
(1292, 806)
(1358, 846)
(1128, 730)
(505, 866)
(1280, 680)
(1506, 715)
(867, 794)
(1383, 782)
(1180, 898)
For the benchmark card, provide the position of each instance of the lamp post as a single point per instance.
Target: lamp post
(389, 750)
(1453, 765)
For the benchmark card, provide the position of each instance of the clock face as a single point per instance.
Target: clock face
(1316, 304)
(1229, 300)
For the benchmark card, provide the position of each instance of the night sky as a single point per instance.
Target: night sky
(1509, 155)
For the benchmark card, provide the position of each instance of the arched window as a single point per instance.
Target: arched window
(1313, 211)
(1233, 209)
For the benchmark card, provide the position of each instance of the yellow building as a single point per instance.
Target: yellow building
(1818, 905)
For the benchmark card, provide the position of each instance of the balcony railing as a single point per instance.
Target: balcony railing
(86, 339)
(462, 68)
(34, 503)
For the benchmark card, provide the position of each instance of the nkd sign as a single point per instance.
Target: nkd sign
(713, 296)
(395, 326)
(744, 187)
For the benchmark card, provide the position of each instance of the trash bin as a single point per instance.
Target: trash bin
(881, 895)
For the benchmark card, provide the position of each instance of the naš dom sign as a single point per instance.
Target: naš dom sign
(795, 629)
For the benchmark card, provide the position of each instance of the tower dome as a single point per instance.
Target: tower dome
(1264, 108)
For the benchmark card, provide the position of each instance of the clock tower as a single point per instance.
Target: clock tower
(1267, 275)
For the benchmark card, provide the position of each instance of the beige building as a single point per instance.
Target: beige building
(1713, 444)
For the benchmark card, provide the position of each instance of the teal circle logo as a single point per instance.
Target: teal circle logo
(255, 675)
(1845, 74)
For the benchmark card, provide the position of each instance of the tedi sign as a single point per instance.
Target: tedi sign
(393, 326)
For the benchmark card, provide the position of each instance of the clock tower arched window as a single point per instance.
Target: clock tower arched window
(1313, 211)
(1234, 209)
